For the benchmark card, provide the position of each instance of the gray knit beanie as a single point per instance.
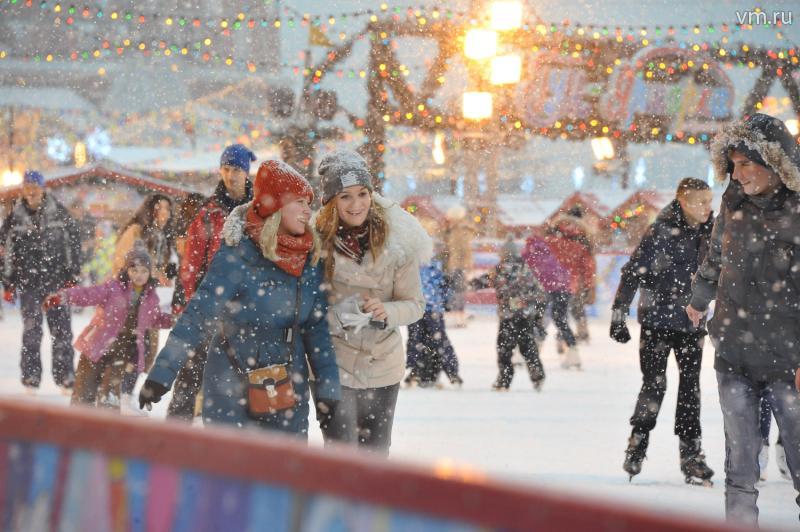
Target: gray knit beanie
(138, 255)
(341, 169)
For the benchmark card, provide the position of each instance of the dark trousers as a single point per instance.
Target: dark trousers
(429, 349)
(559, 308)
(187, 385)
(364, 416)
(58, 321)
(654, 348)
(126, 386)
(517, 331)
(118, 365)
(87, 381)
(765, 419)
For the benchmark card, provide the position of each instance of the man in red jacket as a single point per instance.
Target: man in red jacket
(202, 241)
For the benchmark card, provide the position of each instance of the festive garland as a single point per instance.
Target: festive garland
(423, 11)
(200, 49)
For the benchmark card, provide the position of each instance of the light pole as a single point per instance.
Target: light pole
(489, 96)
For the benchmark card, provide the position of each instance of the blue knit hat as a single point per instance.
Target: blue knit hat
(237, 155)
(33, 176)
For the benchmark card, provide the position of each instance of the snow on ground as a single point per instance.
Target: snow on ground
(570, 437)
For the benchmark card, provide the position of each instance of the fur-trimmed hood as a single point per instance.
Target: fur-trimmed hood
(765, 135)
(406, 235)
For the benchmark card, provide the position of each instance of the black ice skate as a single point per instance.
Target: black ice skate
(635, 453)
(412, 379)
(693, 464)
(501, 385)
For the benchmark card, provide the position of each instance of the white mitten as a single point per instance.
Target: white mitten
(349, 314)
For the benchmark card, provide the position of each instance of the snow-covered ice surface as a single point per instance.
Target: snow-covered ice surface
(570, 437)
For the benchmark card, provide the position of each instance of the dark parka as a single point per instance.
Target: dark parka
(661, 268)
(517, 289)
(42, 247)
(753, 265)
(250, 302)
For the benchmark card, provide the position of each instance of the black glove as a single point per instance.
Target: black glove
(151, 392)
(171, 271)
(619, 331)
(326, 409)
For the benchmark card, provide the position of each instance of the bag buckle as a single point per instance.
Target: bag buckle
(269, 386)
(287, 335)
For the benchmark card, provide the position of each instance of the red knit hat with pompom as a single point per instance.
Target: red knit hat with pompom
(275, 185)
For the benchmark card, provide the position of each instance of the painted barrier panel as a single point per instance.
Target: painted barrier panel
(73, 469)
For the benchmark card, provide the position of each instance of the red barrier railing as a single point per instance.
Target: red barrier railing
(341, 472)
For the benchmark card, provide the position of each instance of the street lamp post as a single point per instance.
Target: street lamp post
(492, 94)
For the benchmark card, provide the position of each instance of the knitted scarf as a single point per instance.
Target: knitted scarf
(292, 250)
(353, 242)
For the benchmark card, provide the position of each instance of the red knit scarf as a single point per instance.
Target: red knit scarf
(292, 250)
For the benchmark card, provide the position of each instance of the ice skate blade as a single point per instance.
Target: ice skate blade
(706, 483)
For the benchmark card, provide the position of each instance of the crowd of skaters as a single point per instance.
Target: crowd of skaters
(277, 309)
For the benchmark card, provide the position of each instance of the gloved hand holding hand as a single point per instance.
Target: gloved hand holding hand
(8, 294)
(326, 408)
(151, 392)
(53, 300)
(619, 331)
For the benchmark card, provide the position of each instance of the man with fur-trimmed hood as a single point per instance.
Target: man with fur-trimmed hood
(753, 271)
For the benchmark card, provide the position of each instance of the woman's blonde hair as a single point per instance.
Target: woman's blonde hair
(268, 239)
(328, 224)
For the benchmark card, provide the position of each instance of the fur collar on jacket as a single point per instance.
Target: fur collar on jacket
(760, 135)
(407, 238)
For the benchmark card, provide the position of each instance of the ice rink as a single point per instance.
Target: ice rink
(569, 437)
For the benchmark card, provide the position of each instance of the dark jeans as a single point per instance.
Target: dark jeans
(517, 331)
(559, 308)
(125, 386)
(58, 321)
(654, 348)
(739, 398)
(429, 349)
(187, 385)
(364, 416)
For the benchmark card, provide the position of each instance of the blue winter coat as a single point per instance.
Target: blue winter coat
(248, 300)
(433, 286)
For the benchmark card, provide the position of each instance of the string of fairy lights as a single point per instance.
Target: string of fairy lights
(703, 45)
(201, 47)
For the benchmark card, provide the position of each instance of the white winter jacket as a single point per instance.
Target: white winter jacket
(374, 358)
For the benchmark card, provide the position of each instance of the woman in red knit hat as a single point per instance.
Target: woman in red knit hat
(262, 307)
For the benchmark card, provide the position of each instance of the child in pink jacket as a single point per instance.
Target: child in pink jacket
(127, 307)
